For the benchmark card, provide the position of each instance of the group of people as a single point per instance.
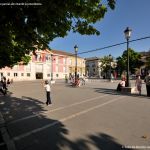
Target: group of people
(4, 84)
(122, 83)
(138, 84)
(77, 82)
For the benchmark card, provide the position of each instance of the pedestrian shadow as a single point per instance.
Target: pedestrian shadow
(30, 128)
(106, 91)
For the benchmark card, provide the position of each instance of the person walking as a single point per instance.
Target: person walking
(48, 92)
(147, 82)
(138, 84)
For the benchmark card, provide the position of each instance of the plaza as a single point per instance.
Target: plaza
(91, 117)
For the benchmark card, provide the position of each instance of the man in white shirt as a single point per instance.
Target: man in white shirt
(48, 92)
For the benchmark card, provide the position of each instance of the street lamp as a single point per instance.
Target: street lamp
(127, 33)
(51, 67)
(110, 66)
(76, 51)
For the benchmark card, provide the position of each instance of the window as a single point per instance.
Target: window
(38, 57)
(64, 60)
(64, 69)
(15, 74)
(22, 74)
(57, 75)
(48, 75)
(70, 61)
(57, 68)
(48, 57)
(56, 60)
(8, 74)
(28, 74)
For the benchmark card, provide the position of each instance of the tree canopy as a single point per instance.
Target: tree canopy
(106, 62)
(134, 61)
(147, 63)
(27, 26)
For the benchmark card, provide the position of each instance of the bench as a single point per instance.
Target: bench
(131, 90)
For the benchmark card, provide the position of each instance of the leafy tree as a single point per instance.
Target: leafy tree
(105, 64)
(134, 61)
(147, 62)
(26, 59)
(25, 27)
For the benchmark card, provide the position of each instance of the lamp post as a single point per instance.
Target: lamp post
(110, 66)
(51, 67)
(76, 51)
(127, 33)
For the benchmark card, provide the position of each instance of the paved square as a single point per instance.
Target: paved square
(91, 117)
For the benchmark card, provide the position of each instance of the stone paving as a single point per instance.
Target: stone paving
(91, 117)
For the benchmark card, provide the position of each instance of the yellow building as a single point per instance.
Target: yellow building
(80, 65)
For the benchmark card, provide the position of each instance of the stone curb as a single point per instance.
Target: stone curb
(9, 143)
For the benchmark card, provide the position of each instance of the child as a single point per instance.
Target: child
(138, 84)
(48, 90)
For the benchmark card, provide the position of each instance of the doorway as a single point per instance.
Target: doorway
(39, 75)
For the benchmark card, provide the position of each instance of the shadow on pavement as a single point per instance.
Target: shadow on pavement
(114, 92)
(31, 129)
(106, 91)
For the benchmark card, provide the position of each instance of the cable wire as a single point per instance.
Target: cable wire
(98, 49)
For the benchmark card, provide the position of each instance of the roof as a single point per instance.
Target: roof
(92, 58)
(63, 53)
(145, 53)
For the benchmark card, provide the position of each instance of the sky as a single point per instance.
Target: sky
(134, 14)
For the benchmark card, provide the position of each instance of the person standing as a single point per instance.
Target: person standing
(147, 82)
(4, 86)
(83, 80)
(66, 78)
(48, 92)
(138, 84)
(1, 87)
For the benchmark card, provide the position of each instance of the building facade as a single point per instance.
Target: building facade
(145, 58)
(64, 64)
(39, 67)
(93, 67)
(45, 64)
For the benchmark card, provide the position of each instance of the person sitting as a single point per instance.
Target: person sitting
(121, 84)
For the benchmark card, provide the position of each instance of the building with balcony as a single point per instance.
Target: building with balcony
(93, 67)
(45, 64)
